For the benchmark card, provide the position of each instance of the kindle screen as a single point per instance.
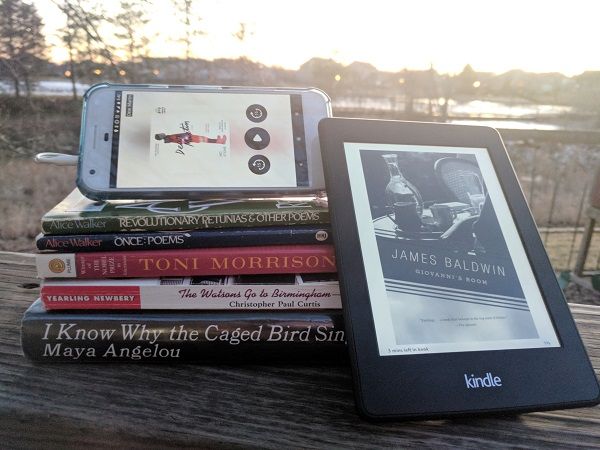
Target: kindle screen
(445, 265)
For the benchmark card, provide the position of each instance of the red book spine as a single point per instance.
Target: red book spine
(190, 262)
(91, 297)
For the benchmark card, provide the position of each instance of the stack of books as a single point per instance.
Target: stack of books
(184, 280)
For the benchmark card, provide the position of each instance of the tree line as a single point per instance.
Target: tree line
(122, 54)
(24, 49)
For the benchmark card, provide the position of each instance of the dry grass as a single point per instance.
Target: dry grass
(27, 191)
(555, 177)
(563, 247)
(46, 124)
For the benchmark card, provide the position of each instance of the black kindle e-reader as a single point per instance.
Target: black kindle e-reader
(450, 303)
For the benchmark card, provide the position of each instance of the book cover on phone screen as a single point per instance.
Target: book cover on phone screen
(77, 214)
(168, 336)
(149, 240)
(240, 292)
(271, 259)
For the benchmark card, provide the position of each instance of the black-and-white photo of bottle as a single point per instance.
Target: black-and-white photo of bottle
(402, 197)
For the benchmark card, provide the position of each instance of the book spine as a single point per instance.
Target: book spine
(191, 262)
(189, 221)
(198, 297)
(120, 336)
(242, 237)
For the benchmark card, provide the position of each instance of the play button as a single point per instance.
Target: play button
(257, 138)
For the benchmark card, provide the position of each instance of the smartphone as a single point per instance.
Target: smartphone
(157, 141)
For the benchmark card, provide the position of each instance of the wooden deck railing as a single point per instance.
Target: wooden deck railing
(214, 405)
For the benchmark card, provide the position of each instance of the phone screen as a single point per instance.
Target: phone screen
(445, 265)
(198, 139)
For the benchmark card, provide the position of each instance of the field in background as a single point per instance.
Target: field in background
(27, 191)
(44, 124)
(555, 175)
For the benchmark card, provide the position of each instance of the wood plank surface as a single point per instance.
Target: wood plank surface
(274, 406)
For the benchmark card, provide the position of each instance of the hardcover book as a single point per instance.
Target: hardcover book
(151, 336)
(242, 292)
(77, 214)
(154, 240)
(190, 262)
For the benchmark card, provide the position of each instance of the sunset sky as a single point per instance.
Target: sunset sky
(494, 36)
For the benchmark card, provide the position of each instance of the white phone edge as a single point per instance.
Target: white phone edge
(314, 100)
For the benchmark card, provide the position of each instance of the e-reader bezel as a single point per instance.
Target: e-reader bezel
(432, 385)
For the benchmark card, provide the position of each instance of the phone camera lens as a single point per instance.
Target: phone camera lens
(92, 172)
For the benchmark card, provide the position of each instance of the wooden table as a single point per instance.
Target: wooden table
(302, 405)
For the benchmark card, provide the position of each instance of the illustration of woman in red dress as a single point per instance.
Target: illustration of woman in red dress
(188, 138)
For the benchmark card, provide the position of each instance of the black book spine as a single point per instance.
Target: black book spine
(125, 336)
(153, 240)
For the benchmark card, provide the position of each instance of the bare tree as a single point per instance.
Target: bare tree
(409, 85)
(22, 44)
(432, 89)
(190, 30)
(71, 35)
(130, 24)
(83, 32)
(242, 32)
(447, 88)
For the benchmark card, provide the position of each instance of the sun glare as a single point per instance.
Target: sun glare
(493, 36)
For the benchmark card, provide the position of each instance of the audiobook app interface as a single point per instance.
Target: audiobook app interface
(216, 140)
